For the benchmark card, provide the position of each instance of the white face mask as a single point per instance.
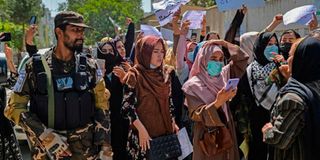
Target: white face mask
(153, 66)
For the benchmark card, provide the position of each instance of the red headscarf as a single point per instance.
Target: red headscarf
(152, 89)
(189, 63)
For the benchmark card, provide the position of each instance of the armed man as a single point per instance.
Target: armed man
(68, 116)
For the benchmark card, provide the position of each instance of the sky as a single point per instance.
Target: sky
(53, 5)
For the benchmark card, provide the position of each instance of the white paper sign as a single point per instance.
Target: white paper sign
(301, 15)
(224, 5)
(165, 16)
(167, 34)
(195, 18)
(167, 9)
(150, 30)
(165, 3)
(186, 146)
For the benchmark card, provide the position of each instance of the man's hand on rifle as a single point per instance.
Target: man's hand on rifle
(54, 144)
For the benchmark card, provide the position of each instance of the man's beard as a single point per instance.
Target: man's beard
(74, 46)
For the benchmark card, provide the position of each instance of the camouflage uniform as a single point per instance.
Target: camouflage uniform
(84, 142)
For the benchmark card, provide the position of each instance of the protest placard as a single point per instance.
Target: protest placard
(150, 30)
(166, 9)
(195, 18)
(300, 15)
(162, 5)
(167, 34)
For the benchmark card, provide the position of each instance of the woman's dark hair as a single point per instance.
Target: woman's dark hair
(116, 40)
(212, 32)
(305, 63)
(289, 31)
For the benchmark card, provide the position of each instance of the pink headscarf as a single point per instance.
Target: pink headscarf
(200, 84)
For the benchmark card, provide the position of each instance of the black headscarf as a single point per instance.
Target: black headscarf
(311, 130)
(260, 45)
(110, 60)
(306, 70)
(306, 61)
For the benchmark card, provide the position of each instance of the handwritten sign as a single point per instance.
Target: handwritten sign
(166, 9)
(224, 5)
(300, 15)
(195, 18)
(150, 30)
(162, 5)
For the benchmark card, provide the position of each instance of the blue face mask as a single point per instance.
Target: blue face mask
(270, 52)
(214, 68)
(190, 56)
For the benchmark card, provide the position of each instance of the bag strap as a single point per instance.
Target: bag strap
(50, 93)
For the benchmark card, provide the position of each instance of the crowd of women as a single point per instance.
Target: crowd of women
(157, 90)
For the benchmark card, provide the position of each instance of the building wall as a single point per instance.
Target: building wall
(258, 18)
(215, 20)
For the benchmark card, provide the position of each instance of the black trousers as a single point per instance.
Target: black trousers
(119, 137)
(258, 149)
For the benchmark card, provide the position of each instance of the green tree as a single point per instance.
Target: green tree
(20, 12)
(97, 13)
(4, 10)
(202, 3)
(16, 33)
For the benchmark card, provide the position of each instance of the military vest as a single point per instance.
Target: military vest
(74, 101)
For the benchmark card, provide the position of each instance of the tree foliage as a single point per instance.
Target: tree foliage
(22, 10)
(4, 11)
(15, 14)
(16, 33)
(97, 12)
(202, 3)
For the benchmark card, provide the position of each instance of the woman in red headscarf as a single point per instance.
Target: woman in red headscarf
(146, 100)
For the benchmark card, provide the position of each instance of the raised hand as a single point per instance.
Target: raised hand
(223, 96)
(278, 18)
(30, 33)
(313, 24)
(185, 27)
(244, 9)
(217, 42)
(175, 20)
